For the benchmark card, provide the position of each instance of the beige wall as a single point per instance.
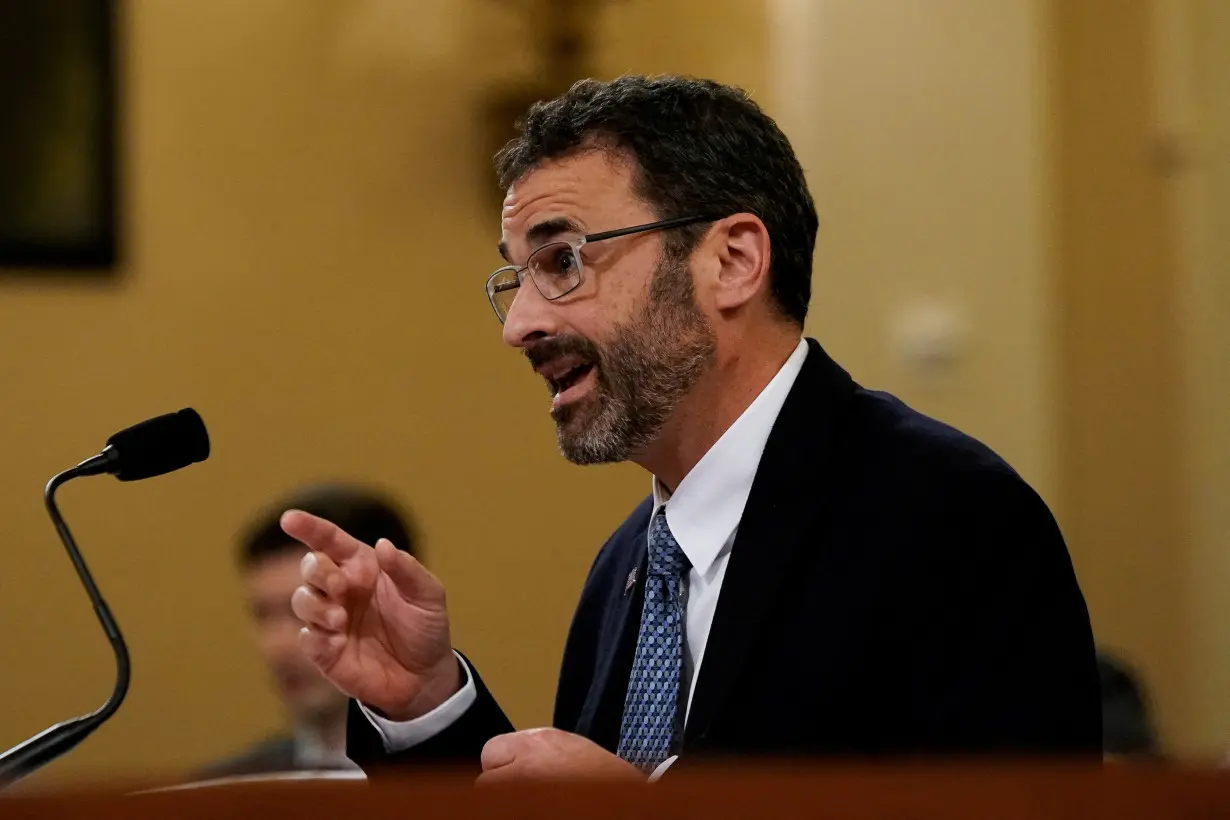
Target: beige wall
(1145, 164)
(308, 239)
(1120, 418)
(309, 226)
(1006, 167)
(921, 126)
(1193, 41)
(1208, 295)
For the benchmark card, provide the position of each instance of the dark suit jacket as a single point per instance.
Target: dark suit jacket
(894, 588)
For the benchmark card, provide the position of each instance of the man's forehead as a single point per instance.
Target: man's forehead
(566, 195)
(593, 173)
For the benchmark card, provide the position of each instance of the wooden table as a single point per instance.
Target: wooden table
(900, 792)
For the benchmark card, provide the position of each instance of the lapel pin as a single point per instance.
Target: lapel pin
(631, 582)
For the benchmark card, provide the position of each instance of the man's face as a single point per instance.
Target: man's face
(269, 583)
(619, 352)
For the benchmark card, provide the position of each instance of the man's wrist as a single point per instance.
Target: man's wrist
(439, 686)
(398, 736)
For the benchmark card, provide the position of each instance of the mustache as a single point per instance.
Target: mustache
(554, 347)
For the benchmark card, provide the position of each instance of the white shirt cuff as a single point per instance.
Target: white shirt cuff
(401, 735)
(662, 767)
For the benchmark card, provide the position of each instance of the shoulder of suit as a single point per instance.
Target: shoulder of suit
(895, 432)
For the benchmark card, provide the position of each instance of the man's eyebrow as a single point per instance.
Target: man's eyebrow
(543, 231)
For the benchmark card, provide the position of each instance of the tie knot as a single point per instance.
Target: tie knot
(665, 556)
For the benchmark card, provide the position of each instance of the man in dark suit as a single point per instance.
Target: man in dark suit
(269, 566)
(820, 570)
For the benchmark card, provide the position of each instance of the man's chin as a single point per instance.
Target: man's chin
(582, 457)
(580, 448)
(586, 431)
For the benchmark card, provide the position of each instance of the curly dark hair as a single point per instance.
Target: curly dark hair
(700, 147)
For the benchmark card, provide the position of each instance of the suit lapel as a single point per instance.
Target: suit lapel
(788, 500)
(602, 713)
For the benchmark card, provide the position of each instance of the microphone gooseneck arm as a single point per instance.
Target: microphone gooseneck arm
(49, 744)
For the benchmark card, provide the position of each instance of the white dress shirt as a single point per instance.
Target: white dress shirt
(703, 514)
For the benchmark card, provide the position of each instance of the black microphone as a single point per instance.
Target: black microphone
(159, 445)
(153, 447)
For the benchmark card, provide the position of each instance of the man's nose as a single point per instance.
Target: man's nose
(531, 316)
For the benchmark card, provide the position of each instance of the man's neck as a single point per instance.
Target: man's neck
(714, 404)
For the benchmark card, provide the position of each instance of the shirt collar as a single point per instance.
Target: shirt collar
(706, 507)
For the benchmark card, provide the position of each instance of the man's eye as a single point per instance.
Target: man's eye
(560, 262)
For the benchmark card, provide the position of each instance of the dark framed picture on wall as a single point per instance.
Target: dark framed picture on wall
(58, 136)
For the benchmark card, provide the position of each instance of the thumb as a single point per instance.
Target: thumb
(411, 579)
(500, 751)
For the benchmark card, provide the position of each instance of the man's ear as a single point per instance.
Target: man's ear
(741, 243)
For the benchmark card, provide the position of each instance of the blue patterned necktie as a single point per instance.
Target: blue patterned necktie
(652, 703)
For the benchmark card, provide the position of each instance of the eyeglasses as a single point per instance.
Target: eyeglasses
(556, 268)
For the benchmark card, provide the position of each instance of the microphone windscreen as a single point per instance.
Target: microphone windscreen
(159, 445)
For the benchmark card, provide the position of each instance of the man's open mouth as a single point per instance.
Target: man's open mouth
(568, 378)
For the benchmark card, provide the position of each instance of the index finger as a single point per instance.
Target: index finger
(318, 534)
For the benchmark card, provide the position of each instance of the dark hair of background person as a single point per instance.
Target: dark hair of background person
(364, 512)
(701, 149)
(1127, 720)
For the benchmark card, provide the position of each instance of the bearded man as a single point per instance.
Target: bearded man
(819, 570)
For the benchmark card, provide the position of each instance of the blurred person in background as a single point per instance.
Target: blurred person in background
(269, 562)
(818, 569)
(1127, 718)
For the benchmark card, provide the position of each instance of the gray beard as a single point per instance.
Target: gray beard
(650, 364)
